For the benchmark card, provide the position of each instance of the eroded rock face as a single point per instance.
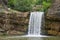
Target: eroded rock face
(14, 22)
(54, 11)
(3, 1)
(52, 20)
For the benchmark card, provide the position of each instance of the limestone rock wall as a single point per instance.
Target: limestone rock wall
(52, 19)
(14, 22)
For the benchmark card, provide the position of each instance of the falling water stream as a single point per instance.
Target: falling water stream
(34, 28)
(35, 24)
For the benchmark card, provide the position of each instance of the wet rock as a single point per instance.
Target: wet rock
(1, 30)
(13, 32)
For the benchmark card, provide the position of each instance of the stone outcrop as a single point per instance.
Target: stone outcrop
(54, 11)
(14, 22)
(52, 19)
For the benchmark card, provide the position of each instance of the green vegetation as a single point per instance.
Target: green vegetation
(46, 4)
(22, 5)
(27, 5)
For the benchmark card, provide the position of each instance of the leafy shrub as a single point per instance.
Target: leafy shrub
(39, 2)
(21, 5)
(27, 5)
(46, 4)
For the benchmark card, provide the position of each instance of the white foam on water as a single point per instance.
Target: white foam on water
(27, 36)
(35, 36)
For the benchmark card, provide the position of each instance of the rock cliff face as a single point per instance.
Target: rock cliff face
(13, 22)
(52, 21)
(54, 11)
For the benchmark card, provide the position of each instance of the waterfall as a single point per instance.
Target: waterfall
(34, 28)
(35, 23)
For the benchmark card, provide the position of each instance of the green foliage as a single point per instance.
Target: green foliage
(27, 5)
(46, 4)
(39, 2)
(10, 3)
(22, 5)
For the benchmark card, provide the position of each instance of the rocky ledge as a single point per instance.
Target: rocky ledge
(52, 19)
(13, 22)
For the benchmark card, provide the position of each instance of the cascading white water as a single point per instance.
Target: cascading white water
(34, 28)
(35, 23)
